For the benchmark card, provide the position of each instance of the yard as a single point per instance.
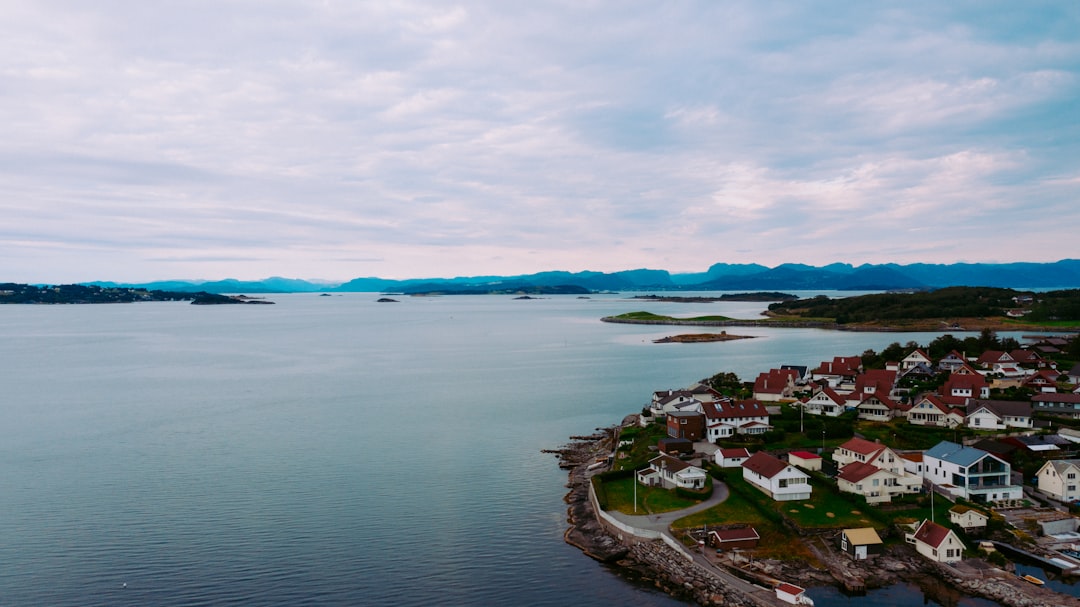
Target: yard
(650, 500)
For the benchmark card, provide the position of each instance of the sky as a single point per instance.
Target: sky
(338, 139)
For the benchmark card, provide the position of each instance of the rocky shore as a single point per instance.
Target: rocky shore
(657, 564)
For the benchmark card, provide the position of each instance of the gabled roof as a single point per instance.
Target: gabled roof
(862, 446)
(775, 380)
(1061, 466)
(830, 394)
(727, 409)
(857, 471)
(931, 533)
(882, 380)
(730, 453)
(994, 356)
(840, 365)
(671, 464)
(961, 509)
(864, 536)
(805, 455)
(764, 464)
(1001, 408)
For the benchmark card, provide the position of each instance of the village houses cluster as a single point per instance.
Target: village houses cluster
(979, 472)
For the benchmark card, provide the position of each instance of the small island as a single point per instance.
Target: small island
(758, 296)
(697, 338)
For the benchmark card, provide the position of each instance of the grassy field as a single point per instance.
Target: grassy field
(650, 500)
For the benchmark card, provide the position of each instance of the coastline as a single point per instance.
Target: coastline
(960, 326)
(654, 563)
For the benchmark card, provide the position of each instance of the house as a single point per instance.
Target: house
(670, 472)
(1032, 359)
(686, 424)
(673, 400)
(967, 518)
(728, 539)
(938, 543)
(840, 370)
(825, 402)
(1067, 405)
(990, 358)
(879, 408)
(970, 473)
(1042, 446)
(776, 478)
(875, 484)
(775, 385)
(868, 452)
(1044, 380)
(731, 458)
(916, 358)
(931, 410)
(861, 543)
(1060, 479)
(805, 460)
(876, 381)
(800, 378)
(965, 385)
(726, 418)
(998, 414)
(1074, 374)
(913, 463)
(951, 362)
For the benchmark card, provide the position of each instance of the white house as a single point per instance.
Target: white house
(938, 543)
(825, 402)
(998, 414)
(970, 473)
(1060, 479)
(776, 478)
(930, 410)
(875, 484)
(968, 519)
(916, 358)
(731, 458)
(868, 452)
(724, 419)
(669, 472)
(879, 408)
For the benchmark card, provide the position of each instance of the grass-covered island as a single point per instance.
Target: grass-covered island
(697, 338)
(951, 309)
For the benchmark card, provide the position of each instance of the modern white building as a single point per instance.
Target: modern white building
(970, 473)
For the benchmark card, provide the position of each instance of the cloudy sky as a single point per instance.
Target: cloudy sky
(337, 139)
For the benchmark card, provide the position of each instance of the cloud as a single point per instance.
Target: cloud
(247, 139)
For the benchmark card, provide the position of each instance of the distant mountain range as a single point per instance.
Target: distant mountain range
(719, 277)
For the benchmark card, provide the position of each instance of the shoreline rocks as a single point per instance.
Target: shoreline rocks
(653, 563)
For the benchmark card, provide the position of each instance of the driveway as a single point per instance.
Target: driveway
(661, 522)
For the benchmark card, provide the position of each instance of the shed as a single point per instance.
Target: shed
(790, 593)
(805, 460)
(727, 539)
(860, 543)
(675, 445)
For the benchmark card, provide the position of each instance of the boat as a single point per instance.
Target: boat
(1032, 579)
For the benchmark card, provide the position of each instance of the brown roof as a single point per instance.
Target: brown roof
(741, 452)
(931, 533)
(765, 464)
(736, 410)
(667, 462)
(1002, 408)
(856, 471)
(734, 535)
(862, 446)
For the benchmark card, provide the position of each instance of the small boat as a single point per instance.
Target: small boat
(1032, 579)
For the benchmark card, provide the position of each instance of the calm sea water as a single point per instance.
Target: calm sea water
(328, 450)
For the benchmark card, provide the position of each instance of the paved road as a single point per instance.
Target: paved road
(662, 523)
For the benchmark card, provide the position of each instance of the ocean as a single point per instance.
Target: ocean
(331, 450)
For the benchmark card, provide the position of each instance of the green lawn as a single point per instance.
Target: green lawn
(650, 500)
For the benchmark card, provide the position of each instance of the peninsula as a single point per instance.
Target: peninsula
(857, 472)
(950, 309)
(13, 293)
